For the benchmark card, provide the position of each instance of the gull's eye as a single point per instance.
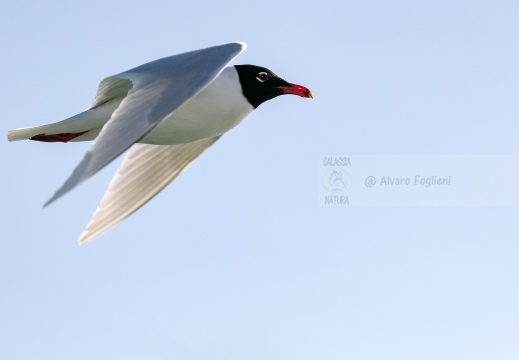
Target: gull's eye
(263, 76)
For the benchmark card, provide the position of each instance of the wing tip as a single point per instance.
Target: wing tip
(87, 236)
(236, 46)
(243, 45)
(48, 202)
(84, 238)
(55, 197)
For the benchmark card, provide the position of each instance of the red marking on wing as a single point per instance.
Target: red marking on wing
(63, 137)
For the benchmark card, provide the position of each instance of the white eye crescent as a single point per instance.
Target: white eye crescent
(262, 76)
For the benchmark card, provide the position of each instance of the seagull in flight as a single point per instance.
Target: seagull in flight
(167, 112)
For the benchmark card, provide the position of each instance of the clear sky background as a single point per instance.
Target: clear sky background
(236, 259)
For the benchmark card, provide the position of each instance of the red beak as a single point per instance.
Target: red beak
(295, 89)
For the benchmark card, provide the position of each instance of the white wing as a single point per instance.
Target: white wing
(145, 171)
(159, 88)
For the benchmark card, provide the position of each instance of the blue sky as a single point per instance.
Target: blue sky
(236, 259)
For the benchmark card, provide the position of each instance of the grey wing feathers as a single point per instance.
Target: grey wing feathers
(159, 88)
(145, 171)
(111, 88)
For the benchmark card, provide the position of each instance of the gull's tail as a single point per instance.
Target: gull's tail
(81, 127)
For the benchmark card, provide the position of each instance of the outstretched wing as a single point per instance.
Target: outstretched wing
(145, 171)
(159, 88)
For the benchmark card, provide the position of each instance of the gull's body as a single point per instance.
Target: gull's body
(168, 111)
(212, 112)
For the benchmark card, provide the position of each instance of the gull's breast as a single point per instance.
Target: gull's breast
(215, 110)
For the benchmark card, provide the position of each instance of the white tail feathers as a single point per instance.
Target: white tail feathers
(90, 120)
